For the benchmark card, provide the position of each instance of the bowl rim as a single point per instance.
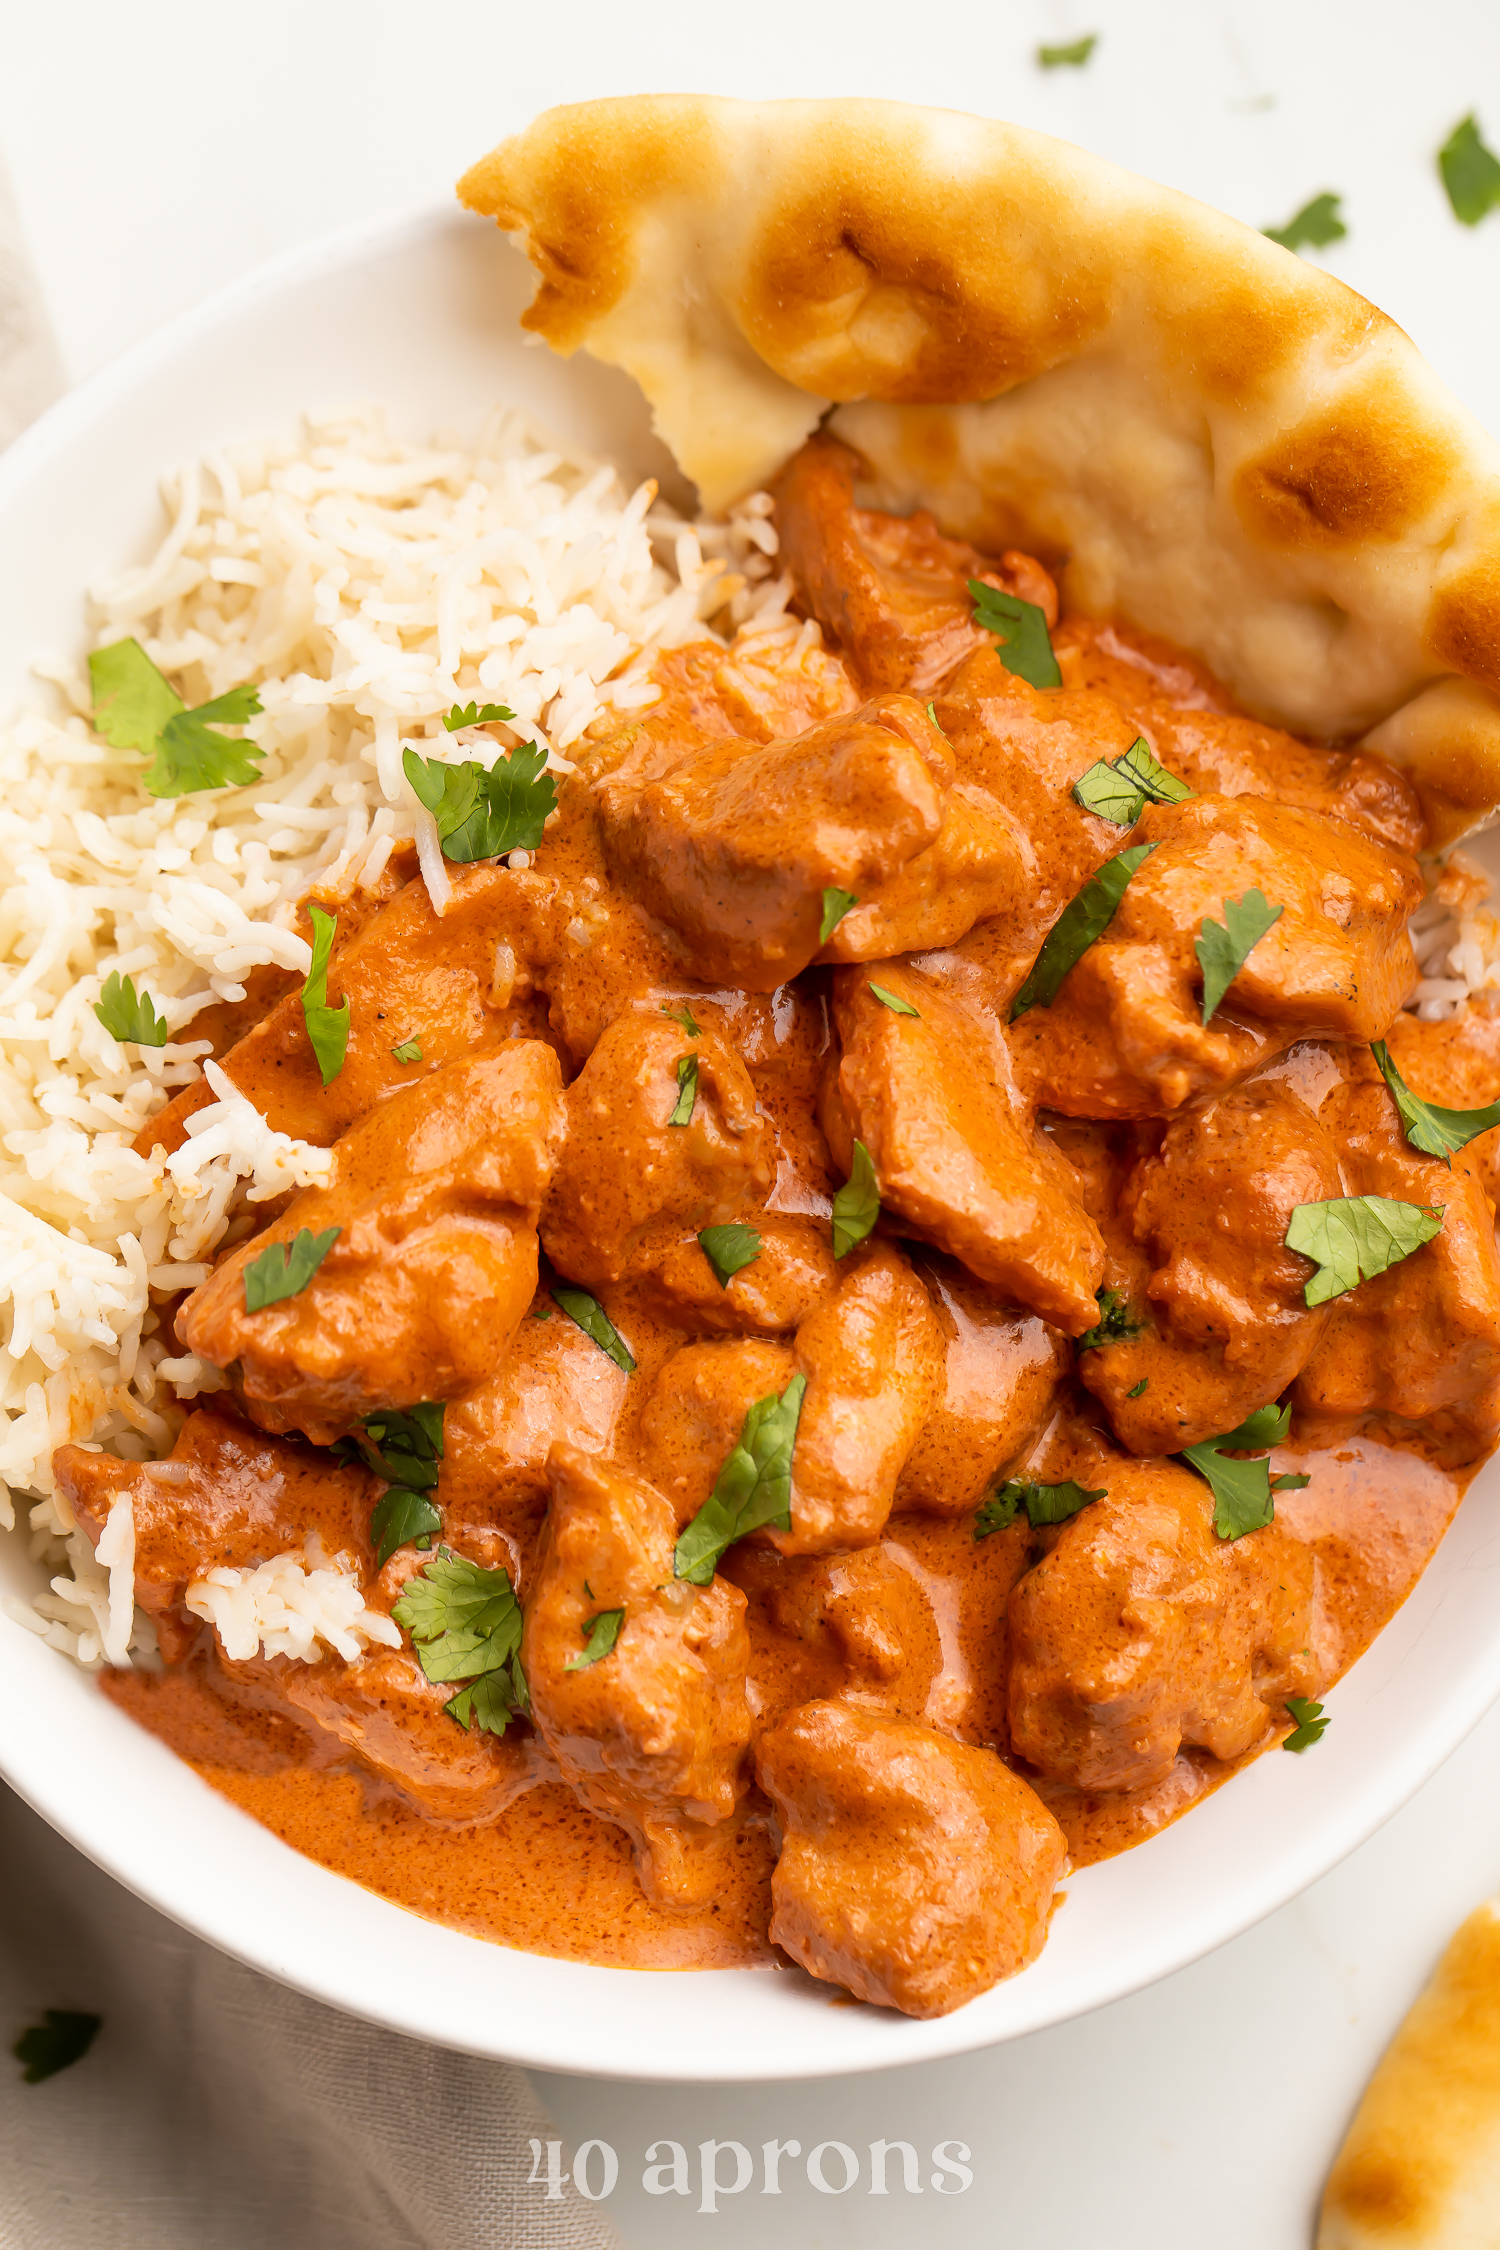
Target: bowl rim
(567, 2016)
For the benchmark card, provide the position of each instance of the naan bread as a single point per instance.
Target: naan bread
(1212, 437)
(1420, 2169)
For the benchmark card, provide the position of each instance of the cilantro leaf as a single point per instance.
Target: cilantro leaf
(490, 1702)
(1470, 172)
(894, 1002)
(464, 1620)
(137, 708)
(1044, 1504)
(600, 1635)
(932, 714)
(1354, 1237)
(126, 1014)
(1311, 1723)
(999, 1512)
(729, 1250)
(687, 1091)
(754, 1486)
(1104, 791)
(1116, 1323)
(856, 1207)
(1436, 1132)
(1141, 765)
(404, 1444)
(62, 2038)
(1316, 225)
(1081, 921)
(327, 1028)
(132, 699)
(684, 1015)
(190, 756)
(482, 813)
(1022, 641)
(591, 1317)
(836, 905)
(285, 1269)
(409, 1051)
(1137, 1389)
(1072, 57)
(1290, 1481)
(1226, 946)
(1120, 791)
(1242, 1490)
(475, 715)
(401, 1518)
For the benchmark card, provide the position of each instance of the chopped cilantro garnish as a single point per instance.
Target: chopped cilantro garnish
(1120, 791)
(684, 1015)
(836, 905)
(492, 1701)
(1470, 172)
(481, 813)
(137, 708)
(893, 1001)
(126, 1014)
(327, 1028)
(285, 1268)
(1316, 225)
(403, 1444)
(754, 1486)
(600, 1635)
(1311, 1723)
(1242, 1490)
(1226, 946)
(410, 1050)
(856, 1207)
(1081, 921)
(932, 714)
(1354, 1237)
(1022, 641)
(687, 1091)
(1071, 57)
(401, 1518)
(477, 715)
(1436, 1132)
(62, 2038)
(591, 1317)
(1044, 1504)
(1116, 1323)
(465, 1624)
(729, 1250)
(1137, 1389)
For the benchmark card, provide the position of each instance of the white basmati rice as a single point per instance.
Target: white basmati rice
(294, 1605)
(366, 585)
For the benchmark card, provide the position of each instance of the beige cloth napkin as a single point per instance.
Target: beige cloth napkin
(216, 2108)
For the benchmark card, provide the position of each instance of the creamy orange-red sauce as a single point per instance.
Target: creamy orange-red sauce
(548, 1877)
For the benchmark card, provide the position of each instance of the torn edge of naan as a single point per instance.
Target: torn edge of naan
(1205, 434)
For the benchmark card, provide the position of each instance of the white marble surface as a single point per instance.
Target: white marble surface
(158, 151)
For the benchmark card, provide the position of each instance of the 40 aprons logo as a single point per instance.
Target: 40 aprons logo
(730, 2168)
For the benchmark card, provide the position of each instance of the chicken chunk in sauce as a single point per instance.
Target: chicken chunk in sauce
(914, 1870)
(1141, 1631)
(590, 1238)
(654, 1735)
(433, 1202)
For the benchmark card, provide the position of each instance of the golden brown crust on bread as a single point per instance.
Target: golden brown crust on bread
(1206, 433)
(1420, 2168)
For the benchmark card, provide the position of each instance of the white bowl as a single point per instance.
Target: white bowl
(422, 316)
